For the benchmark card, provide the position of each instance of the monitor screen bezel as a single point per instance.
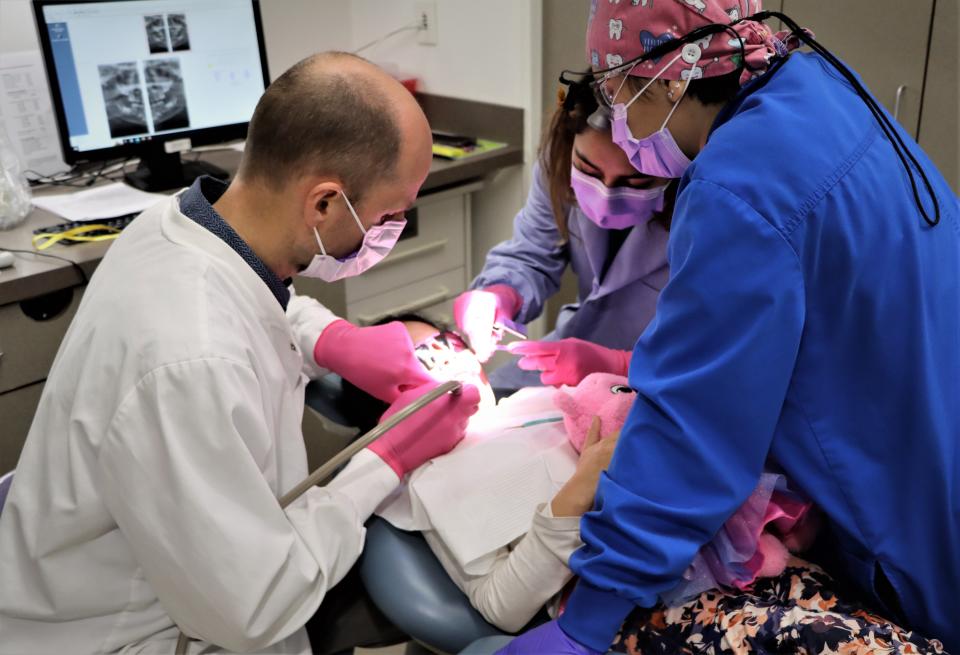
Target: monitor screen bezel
(198, 137)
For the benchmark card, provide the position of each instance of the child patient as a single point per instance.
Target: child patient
(502, 510)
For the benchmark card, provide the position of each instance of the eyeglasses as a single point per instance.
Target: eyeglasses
(607, 85)
(610, 83)
(603, 85)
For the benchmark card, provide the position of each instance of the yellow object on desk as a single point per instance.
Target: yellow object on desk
(44, 240)
(453, 152)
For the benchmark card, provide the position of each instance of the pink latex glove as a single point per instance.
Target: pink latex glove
(568, 361)
(430, 432)
(378, 359)
(476, 312)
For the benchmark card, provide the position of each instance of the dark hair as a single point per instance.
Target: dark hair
(574, 107)
(360, 408)
(717, 90)
(315, 119)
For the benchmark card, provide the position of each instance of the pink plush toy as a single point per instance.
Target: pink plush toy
(754, 543)
(599, 394)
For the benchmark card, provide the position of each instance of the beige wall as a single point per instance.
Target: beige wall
(939, 134)
(564, 38)
(564, 47)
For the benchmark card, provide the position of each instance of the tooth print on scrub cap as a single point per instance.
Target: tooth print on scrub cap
(621, 30)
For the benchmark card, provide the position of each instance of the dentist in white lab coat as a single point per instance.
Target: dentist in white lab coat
(145, 499)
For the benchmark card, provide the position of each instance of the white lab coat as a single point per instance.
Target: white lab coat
(146, 493)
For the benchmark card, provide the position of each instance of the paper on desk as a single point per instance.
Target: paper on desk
(483, 495)
(107, 201)
(236, 146)
(26, 113)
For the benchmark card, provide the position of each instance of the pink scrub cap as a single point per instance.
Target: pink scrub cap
(619, 31)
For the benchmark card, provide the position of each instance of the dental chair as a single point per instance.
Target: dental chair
(407, 583)
(399, 571)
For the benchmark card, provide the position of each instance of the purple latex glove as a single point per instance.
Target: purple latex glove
(477, 311)
(547, 638)
(378, 359)
(568, 361)
(432, 431)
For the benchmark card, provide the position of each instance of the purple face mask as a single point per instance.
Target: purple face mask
(617, 208)
(377, 243)
(657, 155)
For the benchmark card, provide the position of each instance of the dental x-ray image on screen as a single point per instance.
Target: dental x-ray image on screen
(123, 99)
(165, 91)
(177, 28)
(156, 29)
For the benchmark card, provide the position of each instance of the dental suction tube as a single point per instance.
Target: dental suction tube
(325, 471)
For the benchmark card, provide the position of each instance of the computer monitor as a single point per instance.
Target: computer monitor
(151, 78)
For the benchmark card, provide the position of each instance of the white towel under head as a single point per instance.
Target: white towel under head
(482, 495)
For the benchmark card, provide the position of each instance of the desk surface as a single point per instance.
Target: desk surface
(34, 275)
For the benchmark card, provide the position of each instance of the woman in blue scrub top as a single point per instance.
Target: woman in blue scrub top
(812, 317)
(615, 244)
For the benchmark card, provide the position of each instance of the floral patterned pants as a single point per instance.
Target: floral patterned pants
(796, 612)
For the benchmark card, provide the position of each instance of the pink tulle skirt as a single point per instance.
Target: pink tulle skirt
(753, 543)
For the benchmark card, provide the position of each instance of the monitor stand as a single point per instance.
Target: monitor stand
(161, 171)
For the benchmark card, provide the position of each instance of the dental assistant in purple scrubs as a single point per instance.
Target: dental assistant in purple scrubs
(590, 210)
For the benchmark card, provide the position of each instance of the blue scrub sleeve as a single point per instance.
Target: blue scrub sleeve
(533, 260)
(711, 373)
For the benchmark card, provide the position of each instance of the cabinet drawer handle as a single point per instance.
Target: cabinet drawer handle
(399, 258)
(897, 103)
(410, 308)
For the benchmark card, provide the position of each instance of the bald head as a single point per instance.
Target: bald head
(333, 114)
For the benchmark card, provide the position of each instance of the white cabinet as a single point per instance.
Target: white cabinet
(424, 272)
(432, 297)
(439, 245)
(16, 409)
(30, 336)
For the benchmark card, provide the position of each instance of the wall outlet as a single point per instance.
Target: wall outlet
(427, 22)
